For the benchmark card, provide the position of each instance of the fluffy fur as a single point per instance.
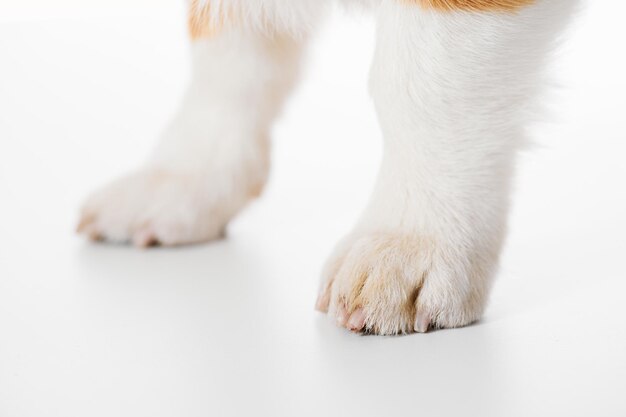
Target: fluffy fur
(270, 16)
(474, 5)
(452, 89)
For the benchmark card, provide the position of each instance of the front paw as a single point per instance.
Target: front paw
(392, 283)
(165, 207)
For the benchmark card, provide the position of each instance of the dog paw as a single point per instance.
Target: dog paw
(390, 284)
(161, 207)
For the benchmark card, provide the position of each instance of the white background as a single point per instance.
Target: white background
(228, 329)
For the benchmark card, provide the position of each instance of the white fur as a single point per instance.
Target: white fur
(452, 91)
(214, 156)
(295, 17)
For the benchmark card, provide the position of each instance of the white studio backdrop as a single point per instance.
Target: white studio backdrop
(228, 329)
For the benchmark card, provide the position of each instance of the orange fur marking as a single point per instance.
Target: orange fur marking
(473, 5)
(202, 24)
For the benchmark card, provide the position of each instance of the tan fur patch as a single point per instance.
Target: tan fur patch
(381, 274)
(473, 5)
(202, 22)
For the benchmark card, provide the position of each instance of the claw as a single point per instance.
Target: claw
(85, 222)
(357, 320)
(422, 322)
(323, 300)
(144, 239)
(342, 315)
